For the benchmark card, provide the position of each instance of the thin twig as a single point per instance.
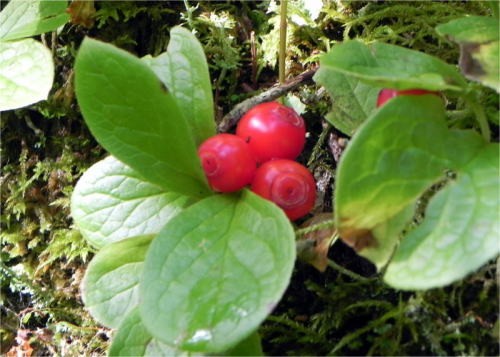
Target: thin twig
(329, 223)
(231, 118)
(347, 272)
(282, 48)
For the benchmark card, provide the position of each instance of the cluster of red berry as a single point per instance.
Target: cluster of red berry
(269, 137)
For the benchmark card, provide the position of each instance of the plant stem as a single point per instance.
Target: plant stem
(480, 117)
(345, 271)
(282, 49)
(455, 117)
(231, 118)
(316, 227)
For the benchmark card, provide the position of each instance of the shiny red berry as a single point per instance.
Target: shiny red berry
(387, 93)
(273, 131)
(227, 162)
(288, 184)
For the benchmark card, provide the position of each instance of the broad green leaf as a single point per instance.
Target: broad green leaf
(26, 73)
(396, 156)
(387, 235)
(471, 29)
(384, 65)
(462, 145)
(110, 285)
(216, 271)
(478, 37)
(112, 202)
(393, 159)
(133, 116)
(132, 339)
(352, 100)
(459, 233)
(21, 18)
(390, 161)
(184, 71)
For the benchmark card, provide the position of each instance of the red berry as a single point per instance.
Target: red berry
(227, 161)
(387, 93)
(273, 131)
(384, 95)
(288, 184)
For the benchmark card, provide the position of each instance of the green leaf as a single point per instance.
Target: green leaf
(459, 147)
(392, 159)
(387, 235)
(134, 117)
(478, 37)
(21, 18)
(216, 271)
(460, 230)
(352, 100)
(112, 202)
(110, 285)
(471, 29)
(26, 73)
(184, 71)
(133, 339)
(384, 65)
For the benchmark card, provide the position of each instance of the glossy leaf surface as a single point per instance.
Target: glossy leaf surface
(21, 18)
(394, 158)
(112, 202)
(134, 117)
(26, 73)
(133, 339)
(184, 71)
(390, 66)
(352, 100)
(110, 286)
(459, 233)
(216, 271)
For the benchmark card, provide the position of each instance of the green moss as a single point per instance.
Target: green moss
(405, 23)
(334, 314)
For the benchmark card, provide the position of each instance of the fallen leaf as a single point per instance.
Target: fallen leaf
(82, 12)
(313, 246)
